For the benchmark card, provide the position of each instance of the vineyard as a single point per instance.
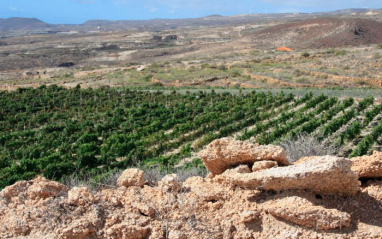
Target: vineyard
(55, 132)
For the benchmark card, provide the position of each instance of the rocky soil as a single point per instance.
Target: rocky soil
(321, 32)
(253, 194)
(245, 52)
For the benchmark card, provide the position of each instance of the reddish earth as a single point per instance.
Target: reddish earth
(283, 49)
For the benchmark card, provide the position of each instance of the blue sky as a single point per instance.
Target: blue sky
(78, 11)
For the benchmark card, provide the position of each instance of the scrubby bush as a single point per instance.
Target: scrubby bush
(341, 53)
(304, 145)
(102, 178)
(157, 84)
(305, 54)
(222, 67)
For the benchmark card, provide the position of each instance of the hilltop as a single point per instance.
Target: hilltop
(18, 23)
(320, 33)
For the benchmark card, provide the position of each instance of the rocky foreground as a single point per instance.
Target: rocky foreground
(251, 192)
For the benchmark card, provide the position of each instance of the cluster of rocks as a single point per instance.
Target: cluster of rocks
(323, 174)
(251, 192)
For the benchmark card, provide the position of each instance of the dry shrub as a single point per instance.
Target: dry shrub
(109, 179)
(184, 174)
(153, 175)
(106, 179)
(304, 145)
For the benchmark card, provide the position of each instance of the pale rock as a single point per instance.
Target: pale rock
(260, 165)
(229, 228)
(249, 216)
(43, 188)
(170, 183)
(373, 188)
(239, 169)
(304, 213)
(368, 166)
(85, 225)
(127, 231)
(157, 233)
(176, 234)
(79, 230)
(80, 196)
(211, 208)
(303, 159)
(39, 188)
(15, 189)
(17, 227)
(222, 154)
(205, 189)
(323, 174)
(131, 177)
(143, 208)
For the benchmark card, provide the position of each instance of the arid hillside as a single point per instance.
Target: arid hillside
(18, 23)
(22, 26)
(329, 50)
(251, 192)
(321, 33)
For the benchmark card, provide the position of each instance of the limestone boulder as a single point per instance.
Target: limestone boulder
(368, 166)
(222, 154)
(79, 229)
(239, 169)
(80, 196)
(322, 174)
(15, 189)
(302, 212)
(131, 177)
(303, 159)
(205, 189)
(127, 231)
(143, 208)
(43, 188)
(260, 165)
(373, 188)
(170, 183)
(249, 216)
(204, 208)
(177, 234)
(39, 188)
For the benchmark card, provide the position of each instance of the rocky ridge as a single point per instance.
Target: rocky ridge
(318, 197)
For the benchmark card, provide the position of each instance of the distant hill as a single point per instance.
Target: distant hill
(19, 23)
(214, 16)
(352, 10)
(213, 20)
(164, 24)
(321, 32)
(168, 24)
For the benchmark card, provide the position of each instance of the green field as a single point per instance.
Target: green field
(55, 132)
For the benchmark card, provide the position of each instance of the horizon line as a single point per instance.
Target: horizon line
(211, 15)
